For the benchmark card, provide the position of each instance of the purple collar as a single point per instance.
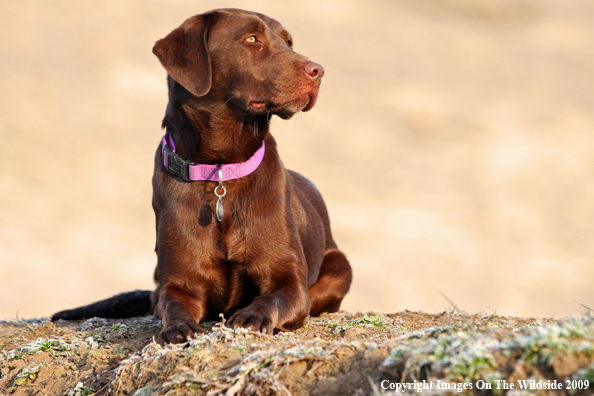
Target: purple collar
(191, 171)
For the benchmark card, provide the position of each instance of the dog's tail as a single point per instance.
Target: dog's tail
(124, 305)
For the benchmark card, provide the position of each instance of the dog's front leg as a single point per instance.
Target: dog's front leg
(181, 312)
(285, 309)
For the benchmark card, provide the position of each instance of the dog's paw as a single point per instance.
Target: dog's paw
(178, 332)
(250, 319)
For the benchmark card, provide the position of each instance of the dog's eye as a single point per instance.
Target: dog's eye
(251, 39)
(290, 43)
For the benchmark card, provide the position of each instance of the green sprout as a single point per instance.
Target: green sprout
(119, 326)
(28, 373)
(81, 390)
(47, 344)
(376, 321)
(239, 348)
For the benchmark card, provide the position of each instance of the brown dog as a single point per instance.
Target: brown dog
(270, 261)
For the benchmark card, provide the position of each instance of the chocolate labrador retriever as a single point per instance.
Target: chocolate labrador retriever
(237, 233)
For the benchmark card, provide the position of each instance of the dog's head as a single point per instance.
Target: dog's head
(241, 58)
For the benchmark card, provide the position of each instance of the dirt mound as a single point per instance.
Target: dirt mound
(354, 354)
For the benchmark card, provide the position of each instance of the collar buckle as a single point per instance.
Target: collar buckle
(176, 165)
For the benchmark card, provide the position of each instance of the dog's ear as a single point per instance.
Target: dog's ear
(184, 54)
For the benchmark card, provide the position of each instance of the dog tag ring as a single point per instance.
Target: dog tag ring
(219, 209)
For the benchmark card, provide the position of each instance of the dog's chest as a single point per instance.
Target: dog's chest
(234, 243)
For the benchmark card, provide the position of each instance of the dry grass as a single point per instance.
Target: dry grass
(333, 354)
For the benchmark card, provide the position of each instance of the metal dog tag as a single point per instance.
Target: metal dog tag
(220, 208)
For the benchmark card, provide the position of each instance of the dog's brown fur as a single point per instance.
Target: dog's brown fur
(271, 260)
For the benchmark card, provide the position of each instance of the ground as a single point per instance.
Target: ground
(340, 353)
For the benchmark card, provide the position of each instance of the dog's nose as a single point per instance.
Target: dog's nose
(314, 70)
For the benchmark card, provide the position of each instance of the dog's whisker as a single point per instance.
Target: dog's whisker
(223, 105)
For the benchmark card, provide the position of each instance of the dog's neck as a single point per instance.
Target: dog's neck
(209, 132)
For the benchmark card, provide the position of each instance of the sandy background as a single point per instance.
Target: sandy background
(453, 141)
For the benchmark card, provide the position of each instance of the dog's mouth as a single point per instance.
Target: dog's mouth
(287, 109)
(259, 105)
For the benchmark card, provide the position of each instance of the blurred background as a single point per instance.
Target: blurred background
(453, 142)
